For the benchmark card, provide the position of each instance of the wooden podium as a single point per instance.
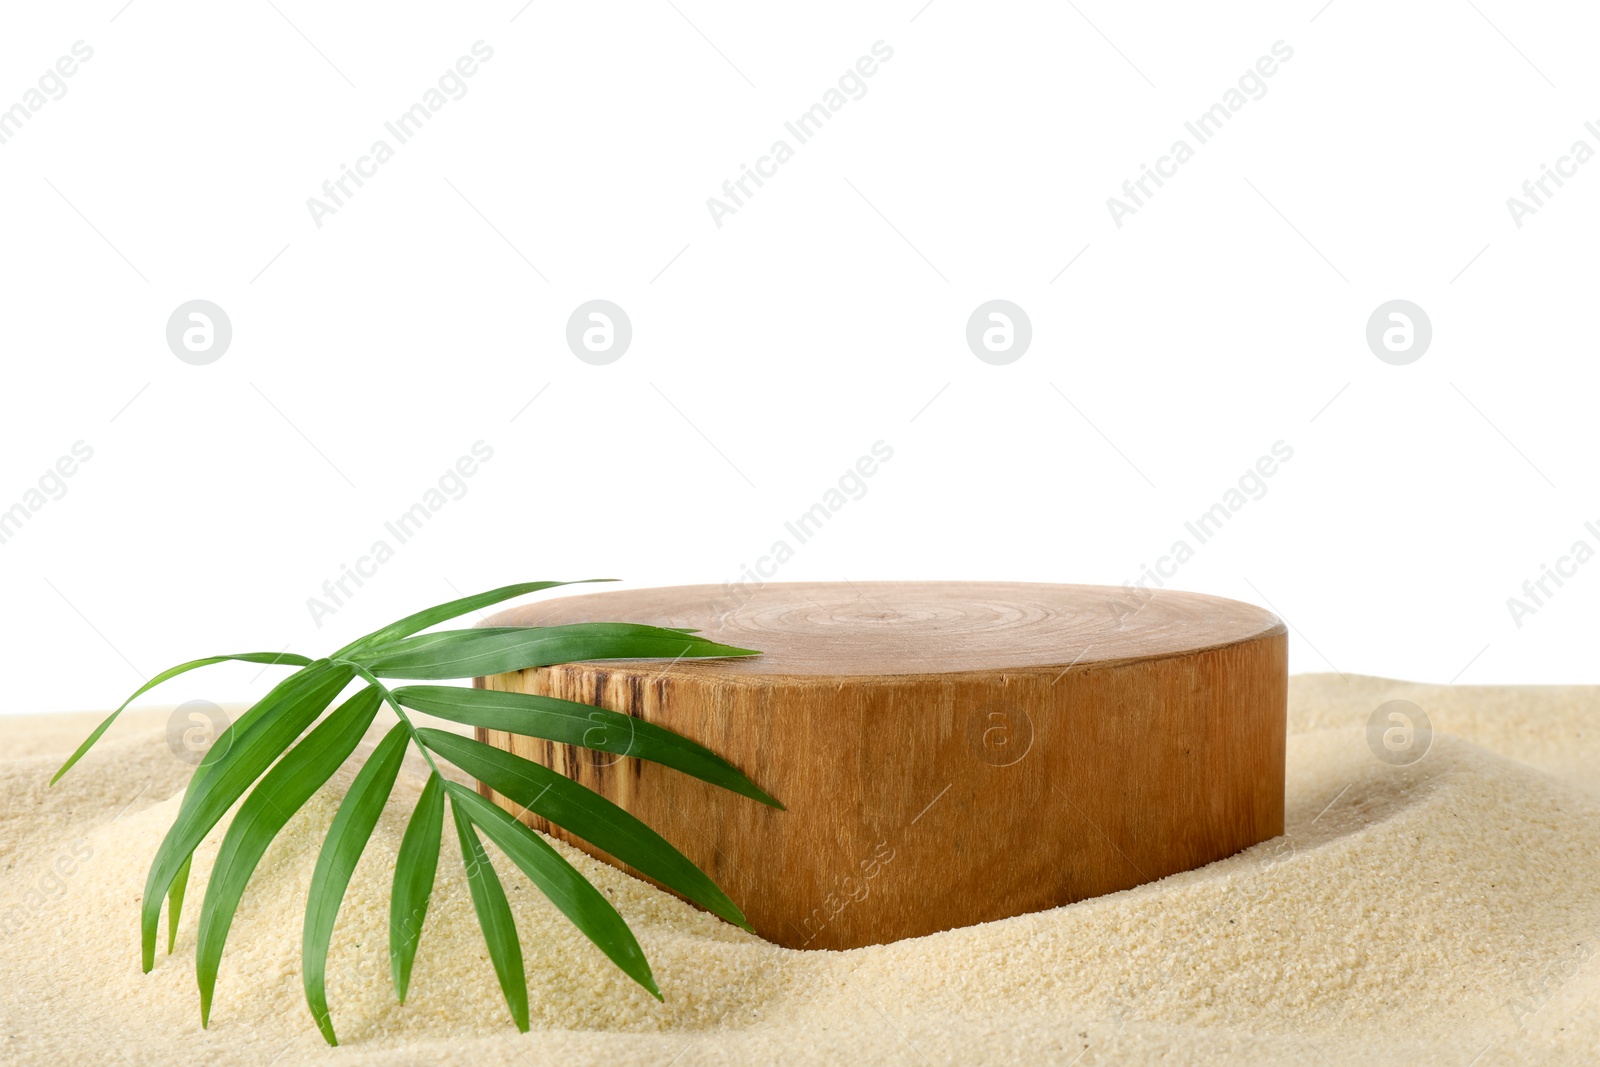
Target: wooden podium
(949, 752)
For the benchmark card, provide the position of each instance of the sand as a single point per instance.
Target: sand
(1431, 913)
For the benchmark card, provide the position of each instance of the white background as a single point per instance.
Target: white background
(827, 314)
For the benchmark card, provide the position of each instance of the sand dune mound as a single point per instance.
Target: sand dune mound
(1428, 913)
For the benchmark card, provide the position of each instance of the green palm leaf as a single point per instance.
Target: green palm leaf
(468, 653)
(265, 748)
(585, 813)
(572, 723)
(494, 916)
(414, 869)
(347, 839)
(281, 792)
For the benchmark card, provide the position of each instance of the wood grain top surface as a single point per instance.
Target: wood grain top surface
(854, 629)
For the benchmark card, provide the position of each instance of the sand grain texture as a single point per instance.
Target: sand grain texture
(1426, 914)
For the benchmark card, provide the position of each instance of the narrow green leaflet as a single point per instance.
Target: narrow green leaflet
(180, 884)
(414, 868)
(296, 707)
(572, 723)
(586, 814)
(453, 609)
(281, 792)
(494, 916)
(169, 673)
(347, 838)
(468, 653)
(559, 880)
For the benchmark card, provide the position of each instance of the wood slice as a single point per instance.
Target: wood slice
(949, 752)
